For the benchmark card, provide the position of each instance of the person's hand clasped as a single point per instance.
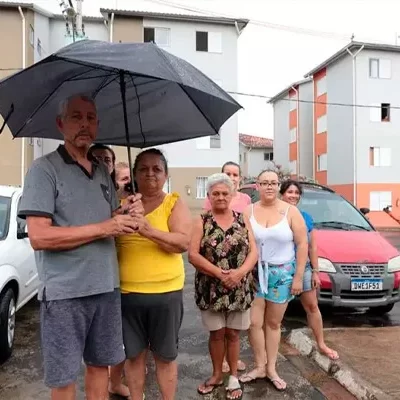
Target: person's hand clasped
(316, 282)
(122, 225)
(297, 286)
(133, 205)
(231, 278)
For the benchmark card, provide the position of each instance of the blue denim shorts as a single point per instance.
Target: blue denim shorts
(307, 279)
(280, 278)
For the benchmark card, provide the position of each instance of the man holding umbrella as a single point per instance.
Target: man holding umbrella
(73, 216)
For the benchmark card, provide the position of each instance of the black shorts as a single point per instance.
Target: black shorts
(152, 320)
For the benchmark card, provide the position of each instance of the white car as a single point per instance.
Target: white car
(19, 280)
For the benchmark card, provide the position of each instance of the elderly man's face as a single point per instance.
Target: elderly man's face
(79, 124)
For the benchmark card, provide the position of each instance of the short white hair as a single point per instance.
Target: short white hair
(217, 179)
(63, 106)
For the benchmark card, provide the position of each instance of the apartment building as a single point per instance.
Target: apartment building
(255, 154)
(293, 128)
(209, 43)
(356, 123)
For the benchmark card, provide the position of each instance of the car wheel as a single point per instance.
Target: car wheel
(381, 309)
(7, 323)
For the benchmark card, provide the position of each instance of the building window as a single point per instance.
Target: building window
(380, 112)
(293, 167)
(210, 42)
(321, 86)
(380, 68)
(380, 157)
(321, 124)
(293, 135)
(379, 200)
(293, 103)
(201, 187)
(167, 186)
(159, 36)
(240, 158)
(245, 157)
(31, 36)
(39, 47)
(268, 156)
(322, 162)
(215, 141)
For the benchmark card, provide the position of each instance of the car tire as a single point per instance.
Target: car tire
(7, 323)
(381, 309)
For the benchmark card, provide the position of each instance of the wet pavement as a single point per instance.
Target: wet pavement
(21, 376)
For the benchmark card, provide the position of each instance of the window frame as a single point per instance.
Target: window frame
(201, 190)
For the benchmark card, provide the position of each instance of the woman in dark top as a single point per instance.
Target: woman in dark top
(224, 253)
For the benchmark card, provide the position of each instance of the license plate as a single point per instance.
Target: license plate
(366, 284)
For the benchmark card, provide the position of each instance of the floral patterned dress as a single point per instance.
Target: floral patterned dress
(226, 250)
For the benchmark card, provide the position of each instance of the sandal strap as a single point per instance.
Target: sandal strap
(233, 383)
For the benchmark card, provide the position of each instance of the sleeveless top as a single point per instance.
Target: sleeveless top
(144, 267)
(226, 250)
(275, 246)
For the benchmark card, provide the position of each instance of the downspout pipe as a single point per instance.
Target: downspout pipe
(297, 132)
(354, 56)
(112, 27)
(314, 161)
(23, 24)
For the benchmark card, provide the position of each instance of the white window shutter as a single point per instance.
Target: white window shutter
(203, 143)
(385, 200)
(214, 42)
(385, 68)
(162, 36)
(374, 68)
(385, 157)
(321, 86)
(375, 114)
(374, 201)
(321, 124)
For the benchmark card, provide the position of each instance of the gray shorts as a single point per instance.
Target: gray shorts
(152, 320)
(86, 327)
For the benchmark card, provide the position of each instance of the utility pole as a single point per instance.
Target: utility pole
(78, 19)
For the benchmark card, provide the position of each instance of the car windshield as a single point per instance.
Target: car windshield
(4, 216)
(331, 211)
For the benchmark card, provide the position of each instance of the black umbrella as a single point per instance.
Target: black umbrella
(144, 95)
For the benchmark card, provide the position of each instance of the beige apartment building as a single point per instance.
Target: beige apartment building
(28, 34)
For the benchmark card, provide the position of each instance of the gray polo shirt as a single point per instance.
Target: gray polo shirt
(59, 188)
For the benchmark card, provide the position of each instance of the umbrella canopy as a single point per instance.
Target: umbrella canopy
(144, 95)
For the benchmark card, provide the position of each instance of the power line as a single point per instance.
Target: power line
(266, 24)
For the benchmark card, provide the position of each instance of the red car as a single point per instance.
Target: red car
(358, 266)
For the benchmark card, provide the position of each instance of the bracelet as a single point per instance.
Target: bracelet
(315, 270)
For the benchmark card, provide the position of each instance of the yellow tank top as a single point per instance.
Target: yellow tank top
(144, 267)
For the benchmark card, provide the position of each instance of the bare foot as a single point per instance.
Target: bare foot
(241, 366)
(120, 390)
(253, 375)
(330, 353)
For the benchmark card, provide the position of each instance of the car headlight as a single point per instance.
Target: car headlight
(325, 265)
(394, 264)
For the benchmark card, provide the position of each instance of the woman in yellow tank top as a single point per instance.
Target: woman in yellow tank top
(152, 277)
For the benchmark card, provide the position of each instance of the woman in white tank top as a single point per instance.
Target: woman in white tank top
(278, 228)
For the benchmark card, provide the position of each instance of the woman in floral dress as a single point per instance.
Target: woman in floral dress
(224, 252)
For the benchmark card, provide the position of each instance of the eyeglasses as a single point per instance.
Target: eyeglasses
(264, 184)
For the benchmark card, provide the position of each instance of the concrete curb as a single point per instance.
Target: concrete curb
(349, 379)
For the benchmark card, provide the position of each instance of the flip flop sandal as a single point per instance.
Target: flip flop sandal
(242, 366)
(233, 386)
(280, 381)
(207, 385)
(332, 355)
(247, 378)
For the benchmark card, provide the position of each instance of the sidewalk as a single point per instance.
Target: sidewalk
(369, 359)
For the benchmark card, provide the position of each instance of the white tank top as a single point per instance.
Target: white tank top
(275, 243)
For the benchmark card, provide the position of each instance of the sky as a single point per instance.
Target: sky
(286, 40)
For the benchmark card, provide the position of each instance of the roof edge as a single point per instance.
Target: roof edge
(28, 6)
(281, 94)
(185, 17)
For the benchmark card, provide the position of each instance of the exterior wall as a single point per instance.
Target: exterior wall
(256, 162)
(281, 132)
(320, 139)
(127, 29)
(377, 134)
(339, 83)
(11, 162)
(305, 130)
(220, 67)
(243, 160)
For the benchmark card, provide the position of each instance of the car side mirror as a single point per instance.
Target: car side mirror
(365, 210)
(22, 231)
